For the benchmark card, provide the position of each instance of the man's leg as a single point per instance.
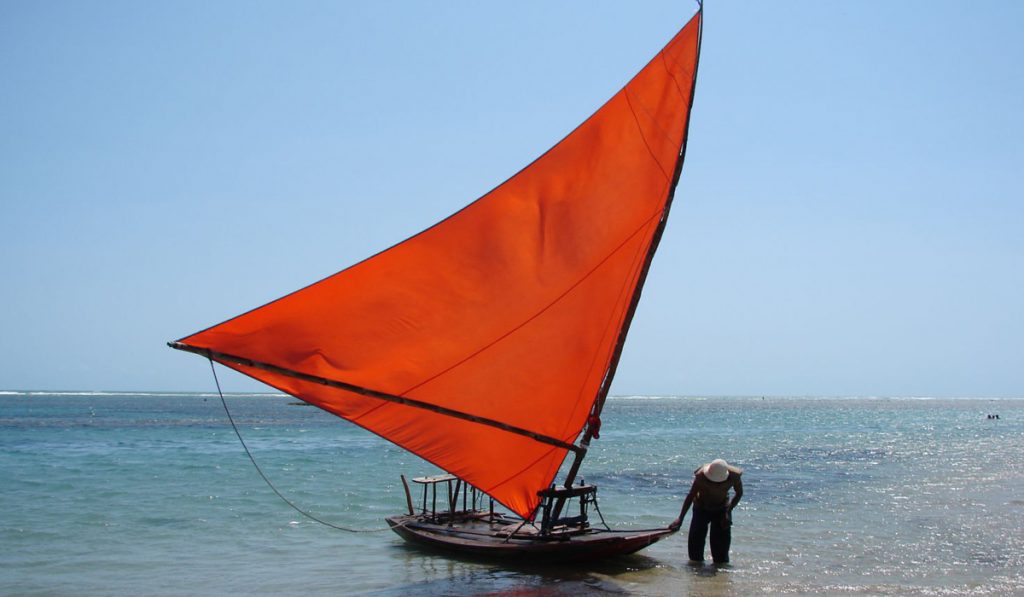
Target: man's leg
(698, 531)
(721, 538)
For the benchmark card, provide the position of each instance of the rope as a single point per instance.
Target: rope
(346, 529)
(599, 511)
(267, 480)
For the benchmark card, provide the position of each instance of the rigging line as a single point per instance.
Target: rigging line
(282, 389)
(599, 513)
(267, 480)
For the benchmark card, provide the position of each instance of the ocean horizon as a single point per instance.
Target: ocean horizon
(115, 492)
(208, 394)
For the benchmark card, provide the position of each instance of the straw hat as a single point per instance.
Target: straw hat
(717, 470)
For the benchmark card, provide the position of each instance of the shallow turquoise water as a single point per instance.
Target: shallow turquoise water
(133, 493)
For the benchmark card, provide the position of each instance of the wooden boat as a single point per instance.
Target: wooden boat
(487, 343)
(478, 532)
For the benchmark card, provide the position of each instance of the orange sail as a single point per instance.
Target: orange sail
(485, 342)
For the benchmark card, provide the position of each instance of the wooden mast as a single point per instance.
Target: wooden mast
(613, 365)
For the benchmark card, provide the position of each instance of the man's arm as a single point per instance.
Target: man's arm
(675, 524)
(738, 489)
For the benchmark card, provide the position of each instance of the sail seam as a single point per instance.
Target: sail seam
(643, 137)
(538, 313)
(622, 299)
(657, 125)
(519, 472)
(668, 69)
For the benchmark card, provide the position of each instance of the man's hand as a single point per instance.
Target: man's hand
(675, 524)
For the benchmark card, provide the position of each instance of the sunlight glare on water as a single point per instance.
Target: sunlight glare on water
(124, 493)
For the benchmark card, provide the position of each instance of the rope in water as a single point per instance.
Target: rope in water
(330, 524)
(267, 480)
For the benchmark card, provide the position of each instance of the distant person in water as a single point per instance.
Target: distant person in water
(709, 496)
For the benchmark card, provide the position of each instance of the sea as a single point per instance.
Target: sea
(150, 493)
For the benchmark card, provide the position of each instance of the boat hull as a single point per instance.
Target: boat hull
(484, 539)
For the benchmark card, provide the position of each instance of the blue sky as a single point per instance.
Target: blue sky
(849, 219)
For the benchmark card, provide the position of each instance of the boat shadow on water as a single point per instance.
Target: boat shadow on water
(467, 575)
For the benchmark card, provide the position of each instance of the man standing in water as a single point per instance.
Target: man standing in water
(709, 496)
